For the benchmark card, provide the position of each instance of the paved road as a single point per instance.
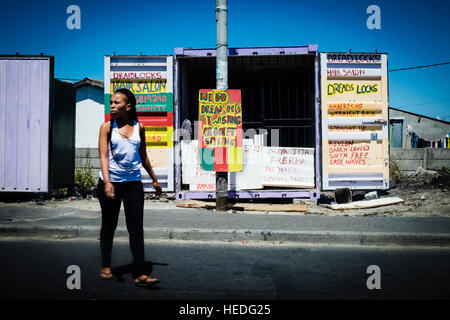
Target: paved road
(197, 270)
(191, 224)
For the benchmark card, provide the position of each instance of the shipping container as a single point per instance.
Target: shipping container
(280, 109)
(150, 78)
(311, 121)
(37, 132)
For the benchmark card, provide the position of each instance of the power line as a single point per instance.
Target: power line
(421, 104)
(68, 79)
(418, 67)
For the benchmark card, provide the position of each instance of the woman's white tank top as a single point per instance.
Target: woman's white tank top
(124, 160)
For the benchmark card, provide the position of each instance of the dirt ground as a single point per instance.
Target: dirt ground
(426, 193)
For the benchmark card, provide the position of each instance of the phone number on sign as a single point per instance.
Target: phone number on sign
(149, 98)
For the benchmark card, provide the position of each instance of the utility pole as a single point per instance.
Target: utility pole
(222, 84)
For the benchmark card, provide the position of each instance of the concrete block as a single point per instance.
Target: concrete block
(439, 154)
(410, 165)
(81, 162)
(407, 154)
(438, 164)
(86, 153)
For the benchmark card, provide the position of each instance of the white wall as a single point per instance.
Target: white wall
(90, 115)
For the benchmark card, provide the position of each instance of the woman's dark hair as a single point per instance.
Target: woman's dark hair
(132, 113)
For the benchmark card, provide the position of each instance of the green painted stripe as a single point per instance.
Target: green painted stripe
(107, 103)
(157, 129)
(154, 102)
(148, 107)
(159, 144)
(206, 156)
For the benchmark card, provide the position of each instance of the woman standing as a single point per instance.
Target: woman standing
(122, 152)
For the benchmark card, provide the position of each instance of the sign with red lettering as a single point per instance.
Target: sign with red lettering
(354, 103)
(361, 58)
(288, 167)
(140, 75)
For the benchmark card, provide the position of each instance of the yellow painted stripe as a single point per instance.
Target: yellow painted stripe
(159, 137)
(141, 87)
(234, 158)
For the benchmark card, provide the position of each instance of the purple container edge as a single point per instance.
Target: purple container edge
(301, 193)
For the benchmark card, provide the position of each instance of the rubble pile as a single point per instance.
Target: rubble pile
(423, 177)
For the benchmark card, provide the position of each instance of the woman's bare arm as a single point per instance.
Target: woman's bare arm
(104, 158)
(146, 161)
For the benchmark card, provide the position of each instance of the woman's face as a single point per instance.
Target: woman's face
(119, 105)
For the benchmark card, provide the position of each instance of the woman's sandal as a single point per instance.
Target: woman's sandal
(106, 275)
(146, 282)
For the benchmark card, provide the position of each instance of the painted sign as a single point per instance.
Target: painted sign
(359, 58)
(151, 95)
(141, 87)
(349, 71)
(220, 130)
(357, 90)
(133, 75)
(150, 79)
(288, 167)
(200, 180)
(354, 121)
(263, 166)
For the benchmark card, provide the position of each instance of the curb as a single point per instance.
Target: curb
(230, 235)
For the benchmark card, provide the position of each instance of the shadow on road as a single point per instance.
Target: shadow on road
(120, 271)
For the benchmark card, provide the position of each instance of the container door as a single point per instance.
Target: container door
(24, 123)
(150, 78)
(396, 133)
(355, 139)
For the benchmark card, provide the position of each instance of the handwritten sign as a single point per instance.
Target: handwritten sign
(141, 87)
(288, 167)
(353, 153)
(358, 88)
(354, 58)
(353, 72)
(199, 179)
(131, 75)
(220, 129)
(354, 118)
(151, 95)
(351, 106)
(364, 128)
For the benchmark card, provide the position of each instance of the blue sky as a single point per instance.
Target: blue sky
(413, 33)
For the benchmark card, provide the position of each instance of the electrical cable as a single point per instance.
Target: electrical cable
(418, 67)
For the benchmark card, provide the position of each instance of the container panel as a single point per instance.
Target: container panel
(12, 71)
(280, 104)
(355, 138)
(23, 108)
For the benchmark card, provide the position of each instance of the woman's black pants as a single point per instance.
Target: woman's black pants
(132, 194)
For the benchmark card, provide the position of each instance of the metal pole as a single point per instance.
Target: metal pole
(222, 83)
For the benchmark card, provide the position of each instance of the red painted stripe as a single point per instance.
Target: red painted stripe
(200, 135)
(235, 95)
(239, 136)
(220, 160)
(161, 119)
